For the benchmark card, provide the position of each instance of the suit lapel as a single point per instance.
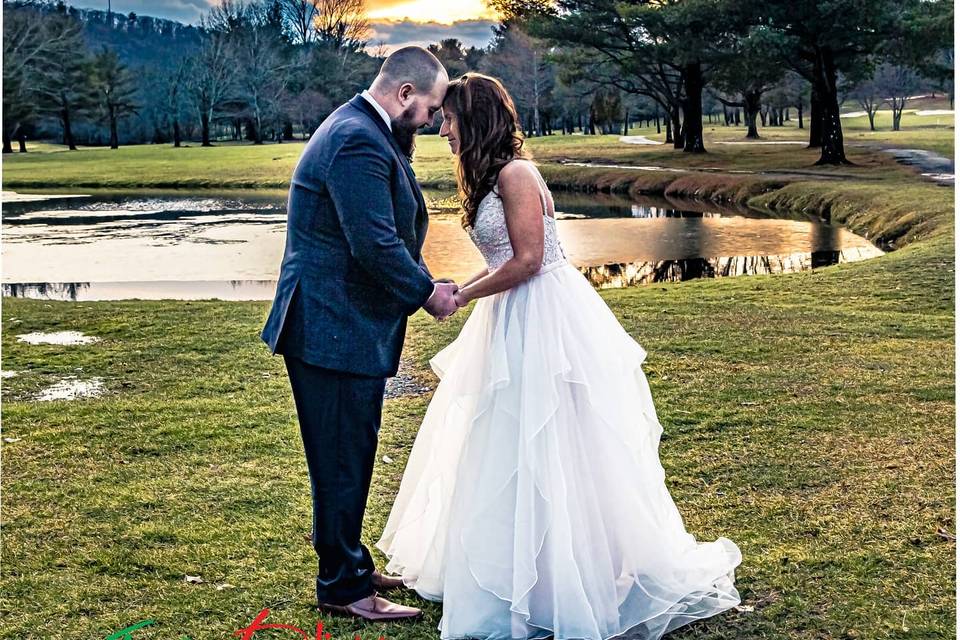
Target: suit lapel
(360, 103)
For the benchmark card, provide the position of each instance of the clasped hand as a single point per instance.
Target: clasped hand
(446, 299)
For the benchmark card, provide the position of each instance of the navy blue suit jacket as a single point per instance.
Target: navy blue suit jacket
(352, 270)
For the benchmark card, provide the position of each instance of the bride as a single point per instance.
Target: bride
(533, 503)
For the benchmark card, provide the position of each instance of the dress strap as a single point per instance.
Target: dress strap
(541, 195)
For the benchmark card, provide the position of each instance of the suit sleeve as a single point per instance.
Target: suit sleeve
(359, 184)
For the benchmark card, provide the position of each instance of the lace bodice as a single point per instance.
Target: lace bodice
(489, 234)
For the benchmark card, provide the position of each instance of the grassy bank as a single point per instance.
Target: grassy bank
(808, 417)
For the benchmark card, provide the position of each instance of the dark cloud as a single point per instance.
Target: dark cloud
(395, 34)
(186, 11)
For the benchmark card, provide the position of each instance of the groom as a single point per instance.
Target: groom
(352, 272)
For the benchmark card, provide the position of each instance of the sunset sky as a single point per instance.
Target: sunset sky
(394, 22)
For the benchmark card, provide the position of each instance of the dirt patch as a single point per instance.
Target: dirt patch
(405, 383)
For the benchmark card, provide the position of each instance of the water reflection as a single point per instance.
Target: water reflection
(604, 276)
(627, 274)
(235, 290)
(229, 246)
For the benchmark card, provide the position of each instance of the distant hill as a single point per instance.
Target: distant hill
(140, 41)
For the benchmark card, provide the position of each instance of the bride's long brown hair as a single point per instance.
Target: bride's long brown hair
(489, 133)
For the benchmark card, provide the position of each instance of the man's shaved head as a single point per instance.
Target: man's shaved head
(410, 87)
(413, 65)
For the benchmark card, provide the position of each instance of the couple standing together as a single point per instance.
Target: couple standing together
(533, 502)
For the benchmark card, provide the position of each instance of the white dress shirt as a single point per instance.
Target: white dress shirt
(376, 105)
(386, 118)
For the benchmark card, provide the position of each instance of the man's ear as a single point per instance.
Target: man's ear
(405, 93)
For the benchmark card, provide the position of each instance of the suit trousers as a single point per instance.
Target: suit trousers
(339, 415)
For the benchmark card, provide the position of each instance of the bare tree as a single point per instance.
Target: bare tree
(264, 71)
(176, 84)
(897, 83)
(226, 17)
(24, 44)
(211, 81)
(65, 87)
(868, 95)
(300, 17)
(380, 51)
(342, 24)
(520, 61)
(44, 69)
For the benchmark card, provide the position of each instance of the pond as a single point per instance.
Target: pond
(228, 245)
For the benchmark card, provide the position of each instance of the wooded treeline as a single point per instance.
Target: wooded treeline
(273, 69)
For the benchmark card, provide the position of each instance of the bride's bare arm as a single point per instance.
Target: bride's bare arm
(520, 192)
(475, 277)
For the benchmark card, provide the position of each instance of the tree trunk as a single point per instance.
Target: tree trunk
(114, 138)
(693, 109)
(800, 114)
(205, 129)
(656, 118)
(751, 101)
(736, 116)
(176, 133)
(22, 140)
(816, 119)
(675, 125)
(831, 149)
(870, 114)
(67, 131)
(626, 122)
(7, 142)
(668, 125)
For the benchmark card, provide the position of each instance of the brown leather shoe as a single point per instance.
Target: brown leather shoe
(374, 608)
(384, 583)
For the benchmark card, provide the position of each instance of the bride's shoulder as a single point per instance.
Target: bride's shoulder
(519, 172)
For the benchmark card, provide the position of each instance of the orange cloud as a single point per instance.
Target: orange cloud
(430, 10)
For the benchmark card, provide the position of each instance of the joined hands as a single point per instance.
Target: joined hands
(443, 304)
(446, 300)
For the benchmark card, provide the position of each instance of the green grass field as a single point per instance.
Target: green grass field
(231, 165)
(808, 417)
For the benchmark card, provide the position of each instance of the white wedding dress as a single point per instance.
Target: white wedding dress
(533, 503)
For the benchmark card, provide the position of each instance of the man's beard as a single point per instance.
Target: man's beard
(405, 132)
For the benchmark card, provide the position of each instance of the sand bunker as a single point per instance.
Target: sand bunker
(638, 140)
